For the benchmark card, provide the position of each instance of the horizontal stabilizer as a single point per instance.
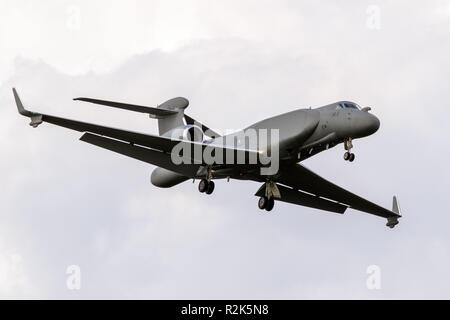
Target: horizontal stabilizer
(155, 112)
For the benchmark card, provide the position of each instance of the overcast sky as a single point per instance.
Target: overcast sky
(64, 202)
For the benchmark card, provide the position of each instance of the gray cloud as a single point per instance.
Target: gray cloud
(63, 202)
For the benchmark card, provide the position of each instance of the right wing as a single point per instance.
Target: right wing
(156, 143)
(304, 199)
(300, 178)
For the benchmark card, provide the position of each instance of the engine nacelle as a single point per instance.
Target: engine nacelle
(189, 132)
(164, 178)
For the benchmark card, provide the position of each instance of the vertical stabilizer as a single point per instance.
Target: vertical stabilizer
(176, 120)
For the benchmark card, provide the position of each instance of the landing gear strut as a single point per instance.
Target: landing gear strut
(348, 155)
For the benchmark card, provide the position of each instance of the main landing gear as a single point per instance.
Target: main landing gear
(266, 203)
(206, 186)
(348, 155)
(271, 191)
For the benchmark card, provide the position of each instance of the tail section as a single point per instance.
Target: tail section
(170, 114)
(177, 106)
(153, 112)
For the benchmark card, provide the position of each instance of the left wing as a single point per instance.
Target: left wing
(300, 178)
(158, 143)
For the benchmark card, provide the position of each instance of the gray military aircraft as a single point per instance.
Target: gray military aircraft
(301, 134)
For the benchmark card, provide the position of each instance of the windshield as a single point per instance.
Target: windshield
(348, 105)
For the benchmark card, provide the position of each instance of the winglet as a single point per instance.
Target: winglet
(395, 207)
(20, 106)
(36, 118)
(392, 221)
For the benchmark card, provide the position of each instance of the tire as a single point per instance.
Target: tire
(210, 188)
(346, 156)
(270, 204)
(262, 203)
(352, 157)
(203, 185)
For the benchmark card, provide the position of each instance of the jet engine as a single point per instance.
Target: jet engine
(188, 132)
(193, 133)
(164, 178)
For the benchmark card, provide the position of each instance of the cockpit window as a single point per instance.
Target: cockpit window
(348, 105)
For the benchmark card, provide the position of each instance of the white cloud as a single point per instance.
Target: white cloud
(14, 281)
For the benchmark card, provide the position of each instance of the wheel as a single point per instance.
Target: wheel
(346, 156)
(352, 157)
(210, 188)
(262, 202)
(270, 204)
(203, 185)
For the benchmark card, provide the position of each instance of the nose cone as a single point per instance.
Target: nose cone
(374, 124)
(366, 124)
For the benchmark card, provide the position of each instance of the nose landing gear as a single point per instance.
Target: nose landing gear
(348, 155)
